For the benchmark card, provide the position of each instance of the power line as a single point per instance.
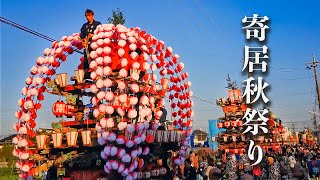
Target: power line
(288, 69)
(208, 15)
(187, 20)
(11, 23)
(16, 25)
(199, 23)
(23, 28)
(203, 10)
(292, 114)
(290, 79)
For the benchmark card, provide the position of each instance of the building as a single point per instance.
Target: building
(200, 137)
(6, 148)
(6, 139)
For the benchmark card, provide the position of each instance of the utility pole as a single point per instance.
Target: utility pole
(314, 117)
(313, 65)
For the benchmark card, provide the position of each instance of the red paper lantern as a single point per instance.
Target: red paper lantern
(271, 122)
(56, 64)
(179, 105)
(68, 111)
(233, 123)
(171, 96)
(51, 72)
(220, 125)
(174, 114)
(40, 97)
(240, 123)
(173, 105)
(59, 108)
(241, 151)
(227, 124)
(37, 106)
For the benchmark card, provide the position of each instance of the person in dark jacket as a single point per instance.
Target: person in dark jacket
(163, 119)
(310, 166)
(86, 33)
(52, 173)
(298, 171)
(190, 172)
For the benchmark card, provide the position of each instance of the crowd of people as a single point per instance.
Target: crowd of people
(288, 162)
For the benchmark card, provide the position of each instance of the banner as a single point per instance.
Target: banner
(192, 140)
(213, 132)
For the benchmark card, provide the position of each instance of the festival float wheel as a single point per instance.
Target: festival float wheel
(126, 65)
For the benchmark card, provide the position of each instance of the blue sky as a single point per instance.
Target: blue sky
(206, 34)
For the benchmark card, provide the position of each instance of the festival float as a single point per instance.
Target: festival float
(276, 136)
(117, 133)
(232, 140)
(306, 137)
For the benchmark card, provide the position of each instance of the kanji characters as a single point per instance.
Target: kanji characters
(256, 28)
(252, 88)
(255, 56)
(256, 59)
(251, 154)
(253, 124)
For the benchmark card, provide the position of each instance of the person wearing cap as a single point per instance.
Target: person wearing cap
(86, 33)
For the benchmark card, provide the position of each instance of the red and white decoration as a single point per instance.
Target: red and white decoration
(137, 58)
(33, 94)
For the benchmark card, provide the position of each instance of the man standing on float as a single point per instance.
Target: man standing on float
(86, 33)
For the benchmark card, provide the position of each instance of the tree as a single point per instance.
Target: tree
(231, 84)
(117, 17)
